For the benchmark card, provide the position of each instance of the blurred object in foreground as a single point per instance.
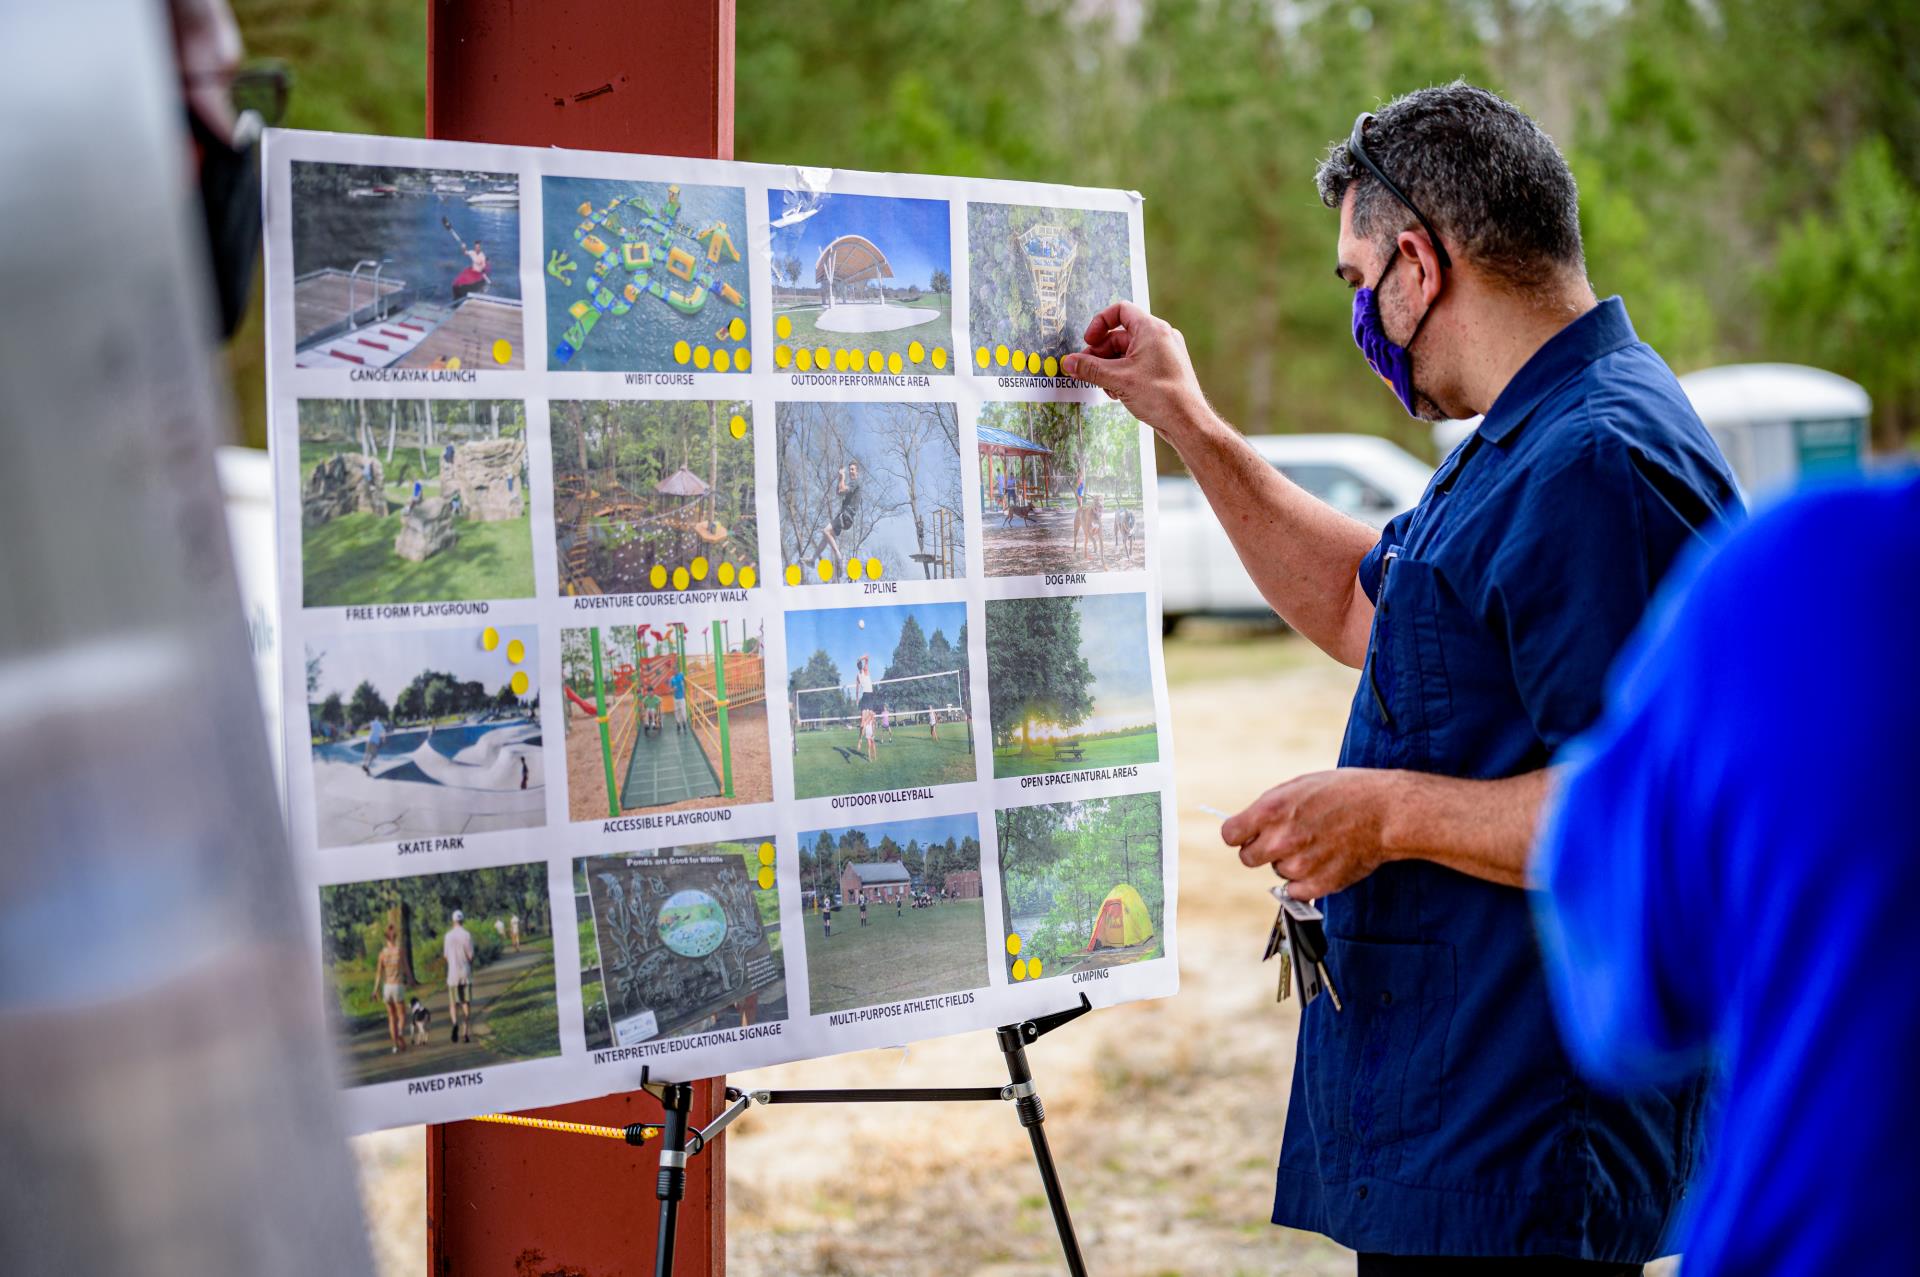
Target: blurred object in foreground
(165, 1094)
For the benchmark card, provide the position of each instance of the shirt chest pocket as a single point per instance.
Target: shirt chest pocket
(1406, 671)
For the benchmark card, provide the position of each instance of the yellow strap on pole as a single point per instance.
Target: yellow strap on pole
(570, 1128)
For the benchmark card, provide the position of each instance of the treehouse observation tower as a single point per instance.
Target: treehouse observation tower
(1050, 252)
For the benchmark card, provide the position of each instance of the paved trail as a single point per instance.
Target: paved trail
(371, 1060)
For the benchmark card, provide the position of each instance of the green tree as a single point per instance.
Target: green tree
(1035, 667)
(365, 705)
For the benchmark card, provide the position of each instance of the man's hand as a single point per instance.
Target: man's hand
(1322, 832)
(1327, 830)
(1142, 362)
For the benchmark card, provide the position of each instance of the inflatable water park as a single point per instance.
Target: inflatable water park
(641, 251)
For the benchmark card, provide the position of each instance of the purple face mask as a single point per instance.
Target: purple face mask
(1392, 362)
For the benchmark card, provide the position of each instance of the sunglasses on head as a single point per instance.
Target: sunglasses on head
(1357, 149)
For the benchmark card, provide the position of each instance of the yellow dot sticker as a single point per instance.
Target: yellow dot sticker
(725, 574)
(895, 364)
(502, 351)
(658, 577)
(825, 569)
(742, 358)
(804, 360)
(680, 579)
(854, 569)
(983, 356)
(519, 682)
(682, 352)
(489, 638)
(453, 362)
(875, 361)
(766, 853)
(873, 568)
(1019, 968)
(916, 352)
(516, 652)
(782, 327)
(1001, 355)
(939, 356)
(1052, 366)
(1013, 944)
(737, 427)
(793, 574)
(737, 328)
(702, 357)
(1033, 968)
(822, 358)
(699, 566)
(1019, 361)
(766, 879)
(722, 361)
(747, 577)
(783, 358)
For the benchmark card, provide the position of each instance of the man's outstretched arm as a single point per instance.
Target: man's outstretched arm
(1302, 553)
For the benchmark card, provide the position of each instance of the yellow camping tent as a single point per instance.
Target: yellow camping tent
(1122, 920)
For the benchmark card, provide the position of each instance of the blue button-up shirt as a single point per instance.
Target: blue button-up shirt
(1731, 875)
(1439, 1114)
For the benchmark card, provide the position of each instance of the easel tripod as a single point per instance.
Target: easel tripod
(678, 1142)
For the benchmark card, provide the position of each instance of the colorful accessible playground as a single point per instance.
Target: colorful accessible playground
(1037, 275)
(1070, 684)
(654, 495)
(406, 268)
(413, 501)
(1082, 885)
(861, 283)
(635, 743)
(664, 255)
(434, 732)
(1060, 489)
(860, 724)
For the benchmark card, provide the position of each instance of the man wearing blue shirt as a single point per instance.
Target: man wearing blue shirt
(1730, 872)
(1436, 1124)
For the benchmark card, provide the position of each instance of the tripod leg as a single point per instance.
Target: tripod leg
(1032, 1114)
(676, 1098)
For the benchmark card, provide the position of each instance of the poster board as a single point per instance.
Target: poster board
(724, 534)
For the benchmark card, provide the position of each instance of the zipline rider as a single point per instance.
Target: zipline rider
(1438, 1117)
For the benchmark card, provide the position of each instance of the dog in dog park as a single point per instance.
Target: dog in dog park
(1123, 525)
(1086, 524)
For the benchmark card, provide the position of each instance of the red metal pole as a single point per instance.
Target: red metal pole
(651, 76)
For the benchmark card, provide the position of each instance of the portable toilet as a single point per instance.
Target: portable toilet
(1779, 424)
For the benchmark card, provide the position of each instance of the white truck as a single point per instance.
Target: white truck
(1367, 477)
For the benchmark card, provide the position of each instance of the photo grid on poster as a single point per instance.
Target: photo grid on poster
(725, 637)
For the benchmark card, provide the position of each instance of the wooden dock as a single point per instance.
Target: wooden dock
(321, 299)
(469, 334)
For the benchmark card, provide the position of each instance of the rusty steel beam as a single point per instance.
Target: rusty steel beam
(654, 77)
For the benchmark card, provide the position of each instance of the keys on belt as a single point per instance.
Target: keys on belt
(1299, 936)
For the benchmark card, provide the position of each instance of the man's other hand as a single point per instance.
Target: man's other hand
(1322, 832)
(1142, 362)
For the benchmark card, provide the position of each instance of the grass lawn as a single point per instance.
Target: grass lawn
(935, 332)
(826, 762)
(921, 952)
(1107, 751)
(350, 560)
(525, 1020)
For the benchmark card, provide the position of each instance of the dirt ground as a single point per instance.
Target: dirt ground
(587, 774)
(1165, 1117)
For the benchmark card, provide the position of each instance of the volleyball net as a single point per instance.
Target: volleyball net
(935, 698)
